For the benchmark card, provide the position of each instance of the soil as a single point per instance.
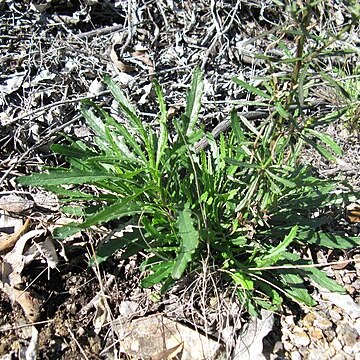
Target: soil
(53, 54)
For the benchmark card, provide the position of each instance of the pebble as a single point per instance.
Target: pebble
(348, 349)
(334, 314)
(323, 324)
(347, 334)
(350, 289)
(295, 355)
(329, 334)
(316, 334)
(300, 338)
(309, 319)
(330, 352)
(316, 354)
(339, 356)
(278, 347)
(288, 346)
(336, 344)
(289, 320)
(356, 348)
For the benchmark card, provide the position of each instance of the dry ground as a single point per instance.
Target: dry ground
(54, 53)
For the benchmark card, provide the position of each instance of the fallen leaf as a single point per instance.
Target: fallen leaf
(101, 314)
(118, 63)
(15, 204)
(170, 353)
(353, 213)
(8, 243)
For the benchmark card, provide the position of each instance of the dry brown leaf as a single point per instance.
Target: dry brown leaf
(30, 303)
(169, 353)
(353, 213)
(7, 244)
(119, 64)
(13, 264)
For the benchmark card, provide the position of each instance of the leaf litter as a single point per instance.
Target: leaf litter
(45, 74)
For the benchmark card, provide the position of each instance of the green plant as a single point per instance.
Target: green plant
(184, 204)
(246, 202)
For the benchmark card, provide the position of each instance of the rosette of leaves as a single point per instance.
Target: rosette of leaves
(246, 207)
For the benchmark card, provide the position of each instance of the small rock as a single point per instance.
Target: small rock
(347, 334)
(335, 315)
(329, 352)
(290, 320)
(304, 352)
(329, 334)
(288, 346)
(322, 323)
(348, 349)
(300, 338)
(356, 348)
(315, 354)
(336, 344)
(339, 356)
(278, 347)
(350, 289)
(316, 334)
(309, 319)
(295, 355)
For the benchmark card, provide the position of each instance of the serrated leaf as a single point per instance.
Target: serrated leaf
(161, 272)
(72, 152)
(66, 178)
(189, 241)
(127, 109)
(283, 245)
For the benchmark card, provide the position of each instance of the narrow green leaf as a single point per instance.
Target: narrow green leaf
(281, 110)
(335, 83)
(127, 109)
(315, 274)
(283, 245)
(163, 136)
(72, 152)
(296, 288)
(193, 100)
(242, 164)
(250, 126)
(250, 88)
(281, 180)
(67, 178)
(189, 241)
(243, 280)
(235, 126)
(320, 149)
(326, 139)
(130, 240)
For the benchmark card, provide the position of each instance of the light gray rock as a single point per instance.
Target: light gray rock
(300, 338)
(295, 355)
(249, 345)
